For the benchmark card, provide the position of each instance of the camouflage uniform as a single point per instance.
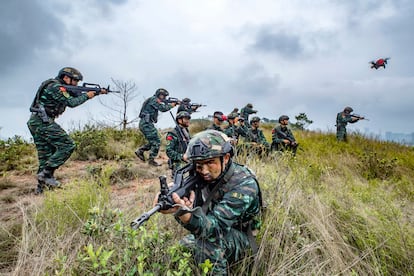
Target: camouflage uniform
(176, 147)
(245, 113)
(224, 209)
(53, 144)
(281, 133)
(218, 115)
(149, 116)
(232, 130)
(186, 106)
(255, 141)
(342, 119)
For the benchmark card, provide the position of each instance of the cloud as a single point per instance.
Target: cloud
(271, 41)
(26, 26)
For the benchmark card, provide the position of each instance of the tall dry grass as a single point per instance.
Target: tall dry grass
(331, 210)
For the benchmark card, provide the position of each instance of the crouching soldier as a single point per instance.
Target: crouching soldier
(177, 141)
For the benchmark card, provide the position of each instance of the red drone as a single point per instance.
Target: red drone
(379, 63)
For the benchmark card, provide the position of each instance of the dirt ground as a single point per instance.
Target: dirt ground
(17, 190)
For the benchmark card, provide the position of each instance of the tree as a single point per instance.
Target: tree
(128, 93)
(302, 121)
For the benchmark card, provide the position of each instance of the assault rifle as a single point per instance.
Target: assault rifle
(76, 91)
(194, 106)
(359, 117)
(185, 180)
(293, 143)
(172, 100)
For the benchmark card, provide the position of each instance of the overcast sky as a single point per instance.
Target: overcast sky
(284, 57)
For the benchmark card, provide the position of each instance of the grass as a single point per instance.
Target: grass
(334, 209)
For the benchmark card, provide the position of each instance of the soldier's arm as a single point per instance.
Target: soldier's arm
(60, 95)
(275, 136)
(161, 106)
(226, 213)
(172, 145)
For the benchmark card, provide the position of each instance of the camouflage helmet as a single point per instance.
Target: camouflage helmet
(348, 109)
(186, 100)
(219, 116)
(249, 105)
(161, 91)
(232, 116)
(208, 144)
(254, 119)
(71, 73)
(283, 117)
(182, 114)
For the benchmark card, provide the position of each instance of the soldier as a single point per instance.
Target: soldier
(236, 111)
(282, 136)
(342, 119)
(186, 106)
(232, 130)
(177, 141)
(221, 214)
(218, 119)
(149, 116)
(53, 144)
(256, 141)
(246, 111)
(243, 129)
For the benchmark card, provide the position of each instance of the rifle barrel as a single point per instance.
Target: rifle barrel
(136, 223)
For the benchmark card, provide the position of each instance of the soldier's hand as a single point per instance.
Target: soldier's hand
(188, 202)
(174, 104)
(104, 91)
(286, 141)
(185, 158)
(169, 211)
(90, 94)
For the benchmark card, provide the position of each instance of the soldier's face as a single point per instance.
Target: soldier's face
(74, 82)
(185, 122)
(210, 169)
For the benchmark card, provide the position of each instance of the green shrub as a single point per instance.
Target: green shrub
(95, 142)
(15, 154)
(113, 248)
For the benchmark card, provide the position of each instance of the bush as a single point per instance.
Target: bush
(94, 143)
(15, 154)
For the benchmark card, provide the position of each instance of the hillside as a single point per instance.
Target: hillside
(334, 209)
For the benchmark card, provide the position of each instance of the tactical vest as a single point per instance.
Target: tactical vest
(183, 141)
(146, 115)
(52, 109)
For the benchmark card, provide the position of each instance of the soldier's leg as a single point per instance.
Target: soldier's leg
(63, 147)
(44, 150)
(221, 252)
(154, 142)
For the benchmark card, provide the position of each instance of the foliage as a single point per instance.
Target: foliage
(334, 209)
(94, 142)
(302, 122)
(113, 248)
(15, 154)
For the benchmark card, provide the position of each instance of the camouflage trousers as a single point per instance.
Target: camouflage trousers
(151, 134)
(53, 144)
(341, 134)
(220, 251)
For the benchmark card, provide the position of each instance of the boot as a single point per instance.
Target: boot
(140, 154)
(39, 189)
(153, 163)
(46, 177)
